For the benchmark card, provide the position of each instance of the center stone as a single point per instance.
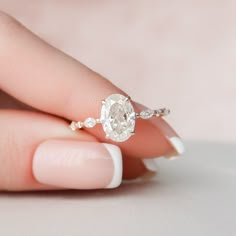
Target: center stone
(118, 117)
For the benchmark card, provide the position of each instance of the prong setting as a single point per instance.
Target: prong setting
(162, 112)
(118, 118)
(128, 98)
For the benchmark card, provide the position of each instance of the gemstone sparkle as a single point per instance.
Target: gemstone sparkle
(90, 122)
(146, 114)
(118, 117)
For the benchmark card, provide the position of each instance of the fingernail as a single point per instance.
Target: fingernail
(78, 165)
(151, 169)
(177, 144)
(172, 158)
(174, 140)
(150, 164)
(170, 134)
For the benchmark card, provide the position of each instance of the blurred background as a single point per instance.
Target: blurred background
(179, 54)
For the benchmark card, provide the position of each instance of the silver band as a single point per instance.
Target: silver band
(145, 114)
(118, 117)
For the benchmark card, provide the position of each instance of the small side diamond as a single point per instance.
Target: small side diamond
(73, 126)
(79, 124)
(166, 112)
(162, 112)
(146, 114)
(90, 122)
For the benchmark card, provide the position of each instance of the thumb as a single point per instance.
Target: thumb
(38, 152)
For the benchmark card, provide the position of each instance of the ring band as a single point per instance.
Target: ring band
(118, 118)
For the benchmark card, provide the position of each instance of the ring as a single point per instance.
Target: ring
(118, 118)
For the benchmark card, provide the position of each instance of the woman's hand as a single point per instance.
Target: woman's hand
(42, 90)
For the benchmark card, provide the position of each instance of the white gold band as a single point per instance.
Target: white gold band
(118, 117)
(145, 114)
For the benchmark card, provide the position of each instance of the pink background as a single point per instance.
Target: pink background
(179, 54)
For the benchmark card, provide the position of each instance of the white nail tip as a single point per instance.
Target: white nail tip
(178, 145)
(173, 158)
(150, 164)
(116, 156)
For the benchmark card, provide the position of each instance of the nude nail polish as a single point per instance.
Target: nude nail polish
(74, 164)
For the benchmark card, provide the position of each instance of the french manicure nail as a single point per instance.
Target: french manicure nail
(150, 164)
(170, 134)
(172, 158)
(151, 169)
(78, 165)
(177, 144)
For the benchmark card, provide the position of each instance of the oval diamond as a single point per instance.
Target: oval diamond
(118, 117)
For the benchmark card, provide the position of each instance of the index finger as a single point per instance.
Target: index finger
(48, 79)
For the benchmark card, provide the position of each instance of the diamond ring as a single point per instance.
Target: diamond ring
(118, 118)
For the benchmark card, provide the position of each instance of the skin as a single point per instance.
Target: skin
(42, 89)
